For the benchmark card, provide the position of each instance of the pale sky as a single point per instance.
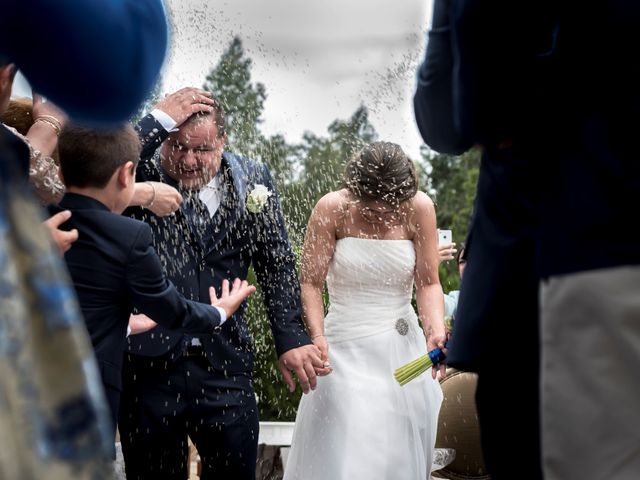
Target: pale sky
(318, 60)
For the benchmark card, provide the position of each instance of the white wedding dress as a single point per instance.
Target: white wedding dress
(360, 423)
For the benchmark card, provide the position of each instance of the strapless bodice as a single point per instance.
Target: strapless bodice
(370, 285)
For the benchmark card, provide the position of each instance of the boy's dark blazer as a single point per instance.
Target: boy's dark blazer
(114, 269)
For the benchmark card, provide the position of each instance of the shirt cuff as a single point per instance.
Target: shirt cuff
(128, 330)
(223, 314)
(168, 123)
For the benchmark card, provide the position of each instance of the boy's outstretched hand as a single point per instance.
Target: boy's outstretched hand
(230, 300)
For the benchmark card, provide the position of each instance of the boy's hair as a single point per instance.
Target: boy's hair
(89, 157)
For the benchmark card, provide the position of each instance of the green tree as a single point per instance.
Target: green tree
(242, 100)
(281, 157)
(322, 161)
(451, 183)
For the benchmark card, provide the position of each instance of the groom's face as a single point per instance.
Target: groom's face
(192, 155)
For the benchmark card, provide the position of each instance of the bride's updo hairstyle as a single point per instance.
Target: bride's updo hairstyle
(381, 171)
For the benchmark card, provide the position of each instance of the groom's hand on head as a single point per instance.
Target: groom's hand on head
(185, 102)
(304, 361)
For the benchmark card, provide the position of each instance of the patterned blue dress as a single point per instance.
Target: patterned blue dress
(53, 417)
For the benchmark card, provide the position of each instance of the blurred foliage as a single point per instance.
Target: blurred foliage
(305, 172)
(451, 183)
(321, 162)
(242, 101)
(275, 402)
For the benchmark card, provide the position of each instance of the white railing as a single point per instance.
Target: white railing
(276, 433)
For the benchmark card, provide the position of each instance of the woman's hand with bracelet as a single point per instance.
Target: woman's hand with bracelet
(48, 122)
(162, 200)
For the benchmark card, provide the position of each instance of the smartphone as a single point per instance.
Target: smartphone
(445, 237)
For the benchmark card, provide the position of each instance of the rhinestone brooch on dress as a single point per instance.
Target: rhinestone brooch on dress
(402, 326)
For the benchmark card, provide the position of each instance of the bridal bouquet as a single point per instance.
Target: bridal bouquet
(413, 369)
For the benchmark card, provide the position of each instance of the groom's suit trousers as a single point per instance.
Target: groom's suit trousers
(218, 413)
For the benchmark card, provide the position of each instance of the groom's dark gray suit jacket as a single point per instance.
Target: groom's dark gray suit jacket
(195, 258)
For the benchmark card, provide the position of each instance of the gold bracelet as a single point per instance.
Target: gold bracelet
(52, 119)
(316, 336)
(45, 119)
(153, 196)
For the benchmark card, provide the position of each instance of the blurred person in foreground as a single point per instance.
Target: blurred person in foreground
(467, 95)
(572, 127)
(53, 423)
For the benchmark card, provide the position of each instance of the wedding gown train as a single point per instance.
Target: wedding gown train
(360, 423)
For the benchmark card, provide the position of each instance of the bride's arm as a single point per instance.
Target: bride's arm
(319, 245)
(429, 297)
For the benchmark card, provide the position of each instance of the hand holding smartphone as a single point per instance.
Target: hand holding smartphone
(445, 237)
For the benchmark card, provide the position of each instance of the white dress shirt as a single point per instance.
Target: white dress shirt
(210, 194)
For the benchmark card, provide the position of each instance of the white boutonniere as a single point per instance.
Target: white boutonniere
(257, 198)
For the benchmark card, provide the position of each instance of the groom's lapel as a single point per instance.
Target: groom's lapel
(233, 199)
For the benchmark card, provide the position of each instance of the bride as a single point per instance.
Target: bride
(371, 241)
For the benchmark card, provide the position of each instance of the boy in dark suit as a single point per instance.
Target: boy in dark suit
(113, 265)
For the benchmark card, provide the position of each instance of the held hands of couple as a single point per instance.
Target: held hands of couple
(307, 363)
(320, 341)
(183, 103)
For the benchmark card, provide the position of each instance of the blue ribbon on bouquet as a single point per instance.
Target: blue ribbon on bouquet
(417, 367)
(437, 355)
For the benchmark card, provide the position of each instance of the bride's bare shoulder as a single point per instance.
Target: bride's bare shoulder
(419, 208)
(333, 203)
(421, 202)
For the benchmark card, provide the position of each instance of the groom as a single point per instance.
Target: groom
(200, 385)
